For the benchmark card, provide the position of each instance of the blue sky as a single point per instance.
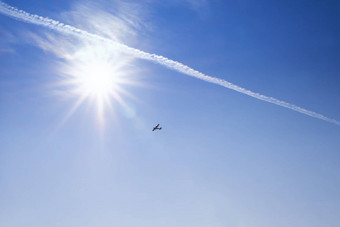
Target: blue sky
(221, 159)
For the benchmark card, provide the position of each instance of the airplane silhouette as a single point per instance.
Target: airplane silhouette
(156, 127)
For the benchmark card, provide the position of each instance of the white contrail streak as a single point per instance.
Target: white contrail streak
(174, 65)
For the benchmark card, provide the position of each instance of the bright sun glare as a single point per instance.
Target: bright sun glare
(97, 80)
(97, 74)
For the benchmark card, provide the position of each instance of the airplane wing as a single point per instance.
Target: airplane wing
(157, 126)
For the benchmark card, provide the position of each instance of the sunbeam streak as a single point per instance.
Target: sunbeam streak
(174, 65)
(97, 76)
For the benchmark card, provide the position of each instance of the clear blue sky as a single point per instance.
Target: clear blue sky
(221, 159)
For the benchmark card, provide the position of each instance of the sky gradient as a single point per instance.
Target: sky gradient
(71, 156)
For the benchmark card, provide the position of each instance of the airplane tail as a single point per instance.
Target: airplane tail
(160, 128)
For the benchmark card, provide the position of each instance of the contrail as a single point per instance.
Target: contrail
(171, 64)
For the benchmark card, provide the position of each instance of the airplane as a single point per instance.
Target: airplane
(156, 127)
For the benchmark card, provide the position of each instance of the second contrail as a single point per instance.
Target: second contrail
(171, 64)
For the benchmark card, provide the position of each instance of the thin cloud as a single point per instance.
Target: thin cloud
(6, 50)
(8, 39)
(171, 64)
(197, 4)
(114, 19)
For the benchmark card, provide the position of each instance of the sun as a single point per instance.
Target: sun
(97, 74)
(97, 79)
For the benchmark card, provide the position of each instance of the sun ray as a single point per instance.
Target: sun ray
(97, 75)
